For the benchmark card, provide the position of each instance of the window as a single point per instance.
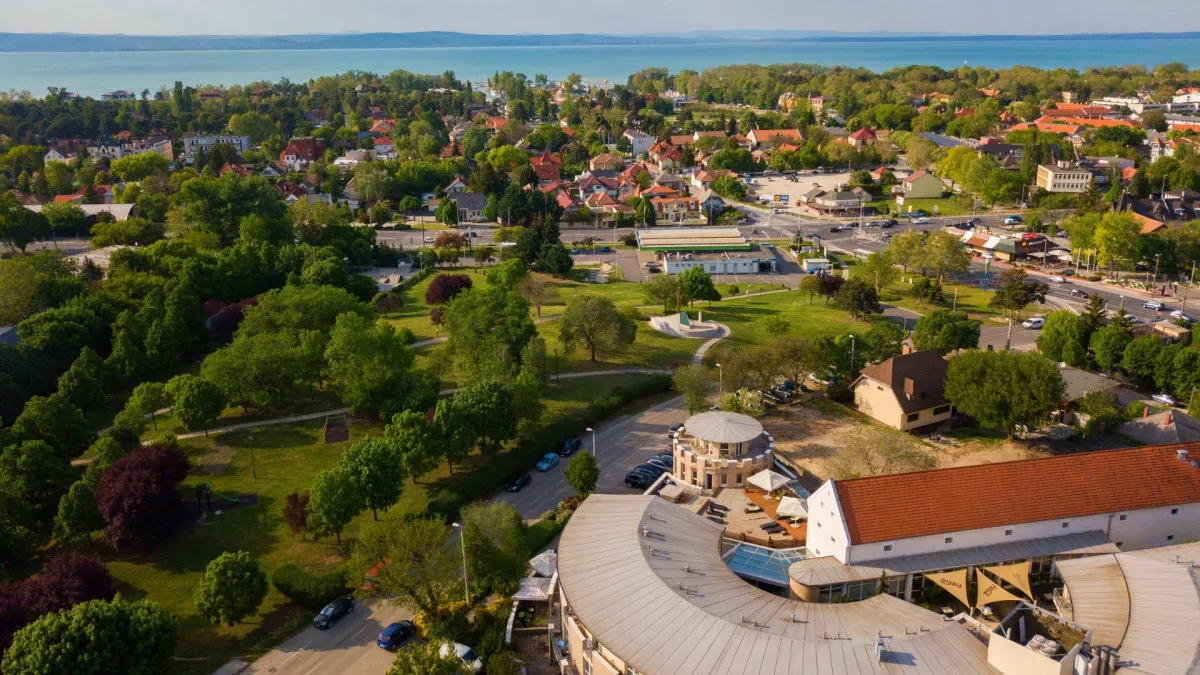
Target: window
(941, 410)
(1008, 533)
(912, 417)
(724, 479)
(587, 666)
(1121, 517)
(887, 547)
(1174, 512)
(739, 479)
(1170, 537)
(949, 540)
(1066, 524)
(1120, 544)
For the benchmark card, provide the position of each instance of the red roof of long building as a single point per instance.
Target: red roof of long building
(906, 505)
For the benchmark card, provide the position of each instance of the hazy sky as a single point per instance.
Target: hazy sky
(178, 17)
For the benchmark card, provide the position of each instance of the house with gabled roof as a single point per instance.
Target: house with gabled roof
(759, 138)
(904, 392)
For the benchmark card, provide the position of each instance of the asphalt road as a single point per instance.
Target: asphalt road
(620, 445)
(348, 647)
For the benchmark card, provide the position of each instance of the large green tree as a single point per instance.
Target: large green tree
(696, 284)
(1062, 338)
(371, 368)
(486, 330)
(423, 569)
(415, 443)
(333, 502)
(1005, 390)
(231, 589)
(488, 404)
(1108, 344)
(582, 473)
(594, 322)
(945, 332)
(375, 466)
(198, 402)
(695, 383)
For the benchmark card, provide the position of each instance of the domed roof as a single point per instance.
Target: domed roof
(718, 426)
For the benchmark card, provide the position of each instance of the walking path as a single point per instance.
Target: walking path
(723, 332)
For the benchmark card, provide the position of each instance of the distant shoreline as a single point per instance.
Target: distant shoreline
(82, 43)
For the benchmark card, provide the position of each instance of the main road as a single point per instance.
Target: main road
(348, 647)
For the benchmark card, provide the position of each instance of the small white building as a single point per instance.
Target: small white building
(723, 262)
(811, 265)
(640, 141)
(195, 143)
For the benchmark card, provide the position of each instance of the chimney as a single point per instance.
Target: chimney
(906, 349)
(1145, 412)
(909, 387)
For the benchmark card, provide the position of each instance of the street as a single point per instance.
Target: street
(620, 445)
(348, 647)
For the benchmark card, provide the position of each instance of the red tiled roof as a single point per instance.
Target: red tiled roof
(900, 506)
(863, 134)
(1087, 121)
(546, 171)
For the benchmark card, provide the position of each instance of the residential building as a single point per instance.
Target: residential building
(640, 142)
(300, 152)
(193, 144)
(62, 151)
(606, 161)
(106, 149)
(904, 392)
(845, 202)
(921, 185)
(118, 95)
(456, 185)
(470, 206)
(676, 209)
(1073, 179)
(862, 138)
(1168, 426)
(760, 138)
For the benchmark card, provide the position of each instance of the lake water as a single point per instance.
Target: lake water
(92, 73)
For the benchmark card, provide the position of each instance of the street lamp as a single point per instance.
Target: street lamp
(253, 468)
(852, 352)
(720, 380)
(462, 539)
(593, 440)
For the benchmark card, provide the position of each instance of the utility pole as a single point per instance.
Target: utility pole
(852, 353)
(953, 307)
(1008, 339)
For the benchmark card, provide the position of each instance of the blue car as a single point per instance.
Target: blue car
(548, 461)
(391, 637)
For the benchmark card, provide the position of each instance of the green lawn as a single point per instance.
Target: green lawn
(745, 318)
(949, 206)
(971, 299)
(286, 458)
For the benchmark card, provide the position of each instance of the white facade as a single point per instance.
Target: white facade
(1129, 530)
(640, 142)
(193, 144)
(739, 265)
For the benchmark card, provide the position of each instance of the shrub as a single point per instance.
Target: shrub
(542, 532)
(445, 286)
(311, 591)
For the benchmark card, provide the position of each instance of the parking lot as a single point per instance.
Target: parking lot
(804, 181)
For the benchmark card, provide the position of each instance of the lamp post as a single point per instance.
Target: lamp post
(253, 468)
(462, 539)
(852, 353)
(1157, 257)
(720, 380)
(593, 440)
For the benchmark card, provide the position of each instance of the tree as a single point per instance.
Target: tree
(334, 500)
(943, 253)
(907, 249)
(582, 473)
(743, 401)
(859, 298)
(141, 166)
(595, 322)
(19, 227)
(874, 451)
(1141, 358)
(945, 332)
(1015, 292)
(148, 398)
(371, 368)
(414, 441)
(384, 303)
(777, 325)
(77, 516)
(495, 537)
(879, 270)
(231, 589)
(453, 431)
(507, 274)
(661, 289)
(257, 126)
(138, 496)
(697, 285)
(35, 475)
(1109, 344)
(295, 512)
(375, 467)
(18, 291)
(1005, 390)
(883, 340)
(489, 406)
(425, 658)
(1094, 315)
(97, 636)
(536, 290)
(197, 401)
(1062, 338)
(54, 420)
(694, 382)
(422, 571)
(794, 357)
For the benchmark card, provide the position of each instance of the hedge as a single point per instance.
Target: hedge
(312, 591)
(447, 498)
(540, 534)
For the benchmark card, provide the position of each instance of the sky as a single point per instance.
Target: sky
(262, 17)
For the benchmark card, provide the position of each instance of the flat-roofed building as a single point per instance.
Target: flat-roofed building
(1063, 179)
(692, 239)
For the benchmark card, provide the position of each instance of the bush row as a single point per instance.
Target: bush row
(312, 591)
(446, 499)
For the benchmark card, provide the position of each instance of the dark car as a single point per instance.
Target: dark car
(649, 470)
(570, 446)
(333, 612)
(674, 429)
(638, 480)
(391, 637)
(664, 464)
(515, 483)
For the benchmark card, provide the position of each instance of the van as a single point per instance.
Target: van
(1035, 323)
(1013, 220)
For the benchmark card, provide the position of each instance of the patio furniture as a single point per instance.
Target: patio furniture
(754, 509)
(718, 507)
(716, 520)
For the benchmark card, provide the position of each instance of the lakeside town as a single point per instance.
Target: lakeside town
(779, 369)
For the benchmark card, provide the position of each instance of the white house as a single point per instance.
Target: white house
(640, 141)
(195, 143)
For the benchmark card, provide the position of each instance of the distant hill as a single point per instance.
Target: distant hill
(70, 42)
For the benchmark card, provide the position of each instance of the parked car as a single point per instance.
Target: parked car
(604, 249)
(771, 397)
(515, 483)
(1068, 272)
(333, 612)
(1013, 220)
(648, 470)
(1035, 323)
(673, 430)
(660, 463)
(391, 637)
(873, 223)
(824, 382)
(1164, 398)
(548, 461)
(1178, 314)
(468, 655)
(921, 221)
(575, 251)
(638, 481)
(1062, 233)
(570, 446)
(1141, 267)
(1058, 280)
(1152, 304)
(788, 385)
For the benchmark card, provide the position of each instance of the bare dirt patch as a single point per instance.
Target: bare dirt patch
(215, 461)
(807, 437)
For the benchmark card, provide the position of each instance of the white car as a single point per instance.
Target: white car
(1164, 398)
(1178, 314)
(1152, 304)
(1058, 280)
(1034, 323)
(468, 655)
(921, 221)
(429, 240)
